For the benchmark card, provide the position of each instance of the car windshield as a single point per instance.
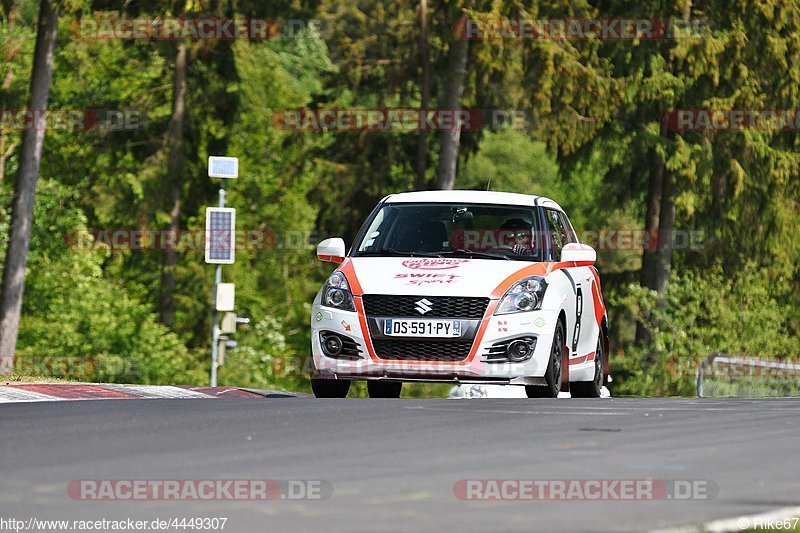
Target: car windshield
(480, 231)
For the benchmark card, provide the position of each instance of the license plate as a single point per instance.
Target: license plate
(396, 327)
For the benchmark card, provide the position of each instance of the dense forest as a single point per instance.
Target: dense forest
(674, 147)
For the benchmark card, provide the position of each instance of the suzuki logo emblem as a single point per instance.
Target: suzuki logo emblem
(423, 306)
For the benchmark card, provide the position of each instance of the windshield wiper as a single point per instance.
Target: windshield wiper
(484, 255)
(392, 251)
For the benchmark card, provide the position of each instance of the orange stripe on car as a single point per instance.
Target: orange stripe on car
(362, 319)
(599, 286)
(487, 316)
(350, 273)
(597, 296)
(538, 269)
(581, 359)
(599, 308)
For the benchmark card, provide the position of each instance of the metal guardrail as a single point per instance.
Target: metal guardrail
(731, 361)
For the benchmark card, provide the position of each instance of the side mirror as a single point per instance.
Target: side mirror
(331, 250)
(578, 253)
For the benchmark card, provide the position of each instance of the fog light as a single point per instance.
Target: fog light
(518, 350)
(332, 345)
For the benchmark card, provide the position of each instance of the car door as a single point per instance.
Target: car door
(589, 326)
(583, 334)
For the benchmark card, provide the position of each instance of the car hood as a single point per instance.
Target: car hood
(432, 277)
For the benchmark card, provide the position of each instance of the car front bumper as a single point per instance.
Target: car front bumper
(475, 368)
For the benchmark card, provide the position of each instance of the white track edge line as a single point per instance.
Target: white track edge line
(738, 523)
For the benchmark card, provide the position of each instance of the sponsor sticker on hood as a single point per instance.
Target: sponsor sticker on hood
(422, 278)
(426, 263)
(432, 275)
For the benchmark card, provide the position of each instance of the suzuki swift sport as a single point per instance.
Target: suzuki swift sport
(465, 287)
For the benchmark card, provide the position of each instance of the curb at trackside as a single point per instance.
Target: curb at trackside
(55, 392)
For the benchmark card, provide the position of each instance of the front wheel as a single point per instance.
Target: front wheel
(330, 388)
(384, 389)
(553, 374)
(591, 389)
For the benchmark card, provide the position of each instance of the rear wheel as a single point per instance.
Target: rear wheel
(553, 374)
(384, 389)
(330, 388)
(591, 389)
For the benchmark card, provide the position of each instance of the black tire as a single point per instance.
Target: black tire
(554, 373)
(330, 388)
(384, 389)
(591, 389)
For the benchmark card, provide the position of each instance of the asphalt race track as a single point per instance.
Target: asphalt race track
(393, 464)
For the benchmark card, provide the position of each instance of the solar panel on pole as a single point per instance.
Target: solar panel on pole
(220, 235)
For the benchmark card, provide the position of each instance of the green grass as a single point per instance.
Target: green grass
(750, 388)
(15, 378)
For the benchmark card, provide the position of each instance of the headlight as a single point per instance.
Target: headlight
(336, 293)
(525, 295)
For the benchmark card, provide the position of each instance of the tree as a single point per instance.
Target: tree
(175, 170)
(425, 93)
(25, 187)
(660, 208)
(451, 137)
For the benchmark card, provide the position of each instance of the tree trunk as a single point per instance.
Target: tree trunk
(657, 257)
(651, 226)
(663, 257)
(19, 234)
(456, 71)
(175, 167)
(666, 225)
(8, 5)
(422, 138)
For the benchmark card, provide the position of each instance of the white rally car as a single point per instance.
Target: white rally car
(469, 287)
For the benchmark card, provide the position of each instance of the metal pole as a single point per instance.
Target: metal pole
(700, 380)
(215, 327)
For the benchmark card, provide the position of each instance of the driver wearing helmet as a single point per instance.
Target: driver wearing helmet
(516, 234)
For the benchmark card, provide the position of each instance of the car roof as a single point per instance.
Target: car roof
(471, 197)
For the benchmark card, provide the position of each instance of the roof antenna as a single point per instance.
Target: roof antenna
(488, 185)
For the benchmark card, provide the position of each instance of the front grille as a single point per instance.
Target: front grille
(422, 350)
(384, 305)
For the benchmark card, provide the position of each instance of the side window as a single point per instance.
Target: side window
(556, 233)
(374, 231)
(569, 232)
